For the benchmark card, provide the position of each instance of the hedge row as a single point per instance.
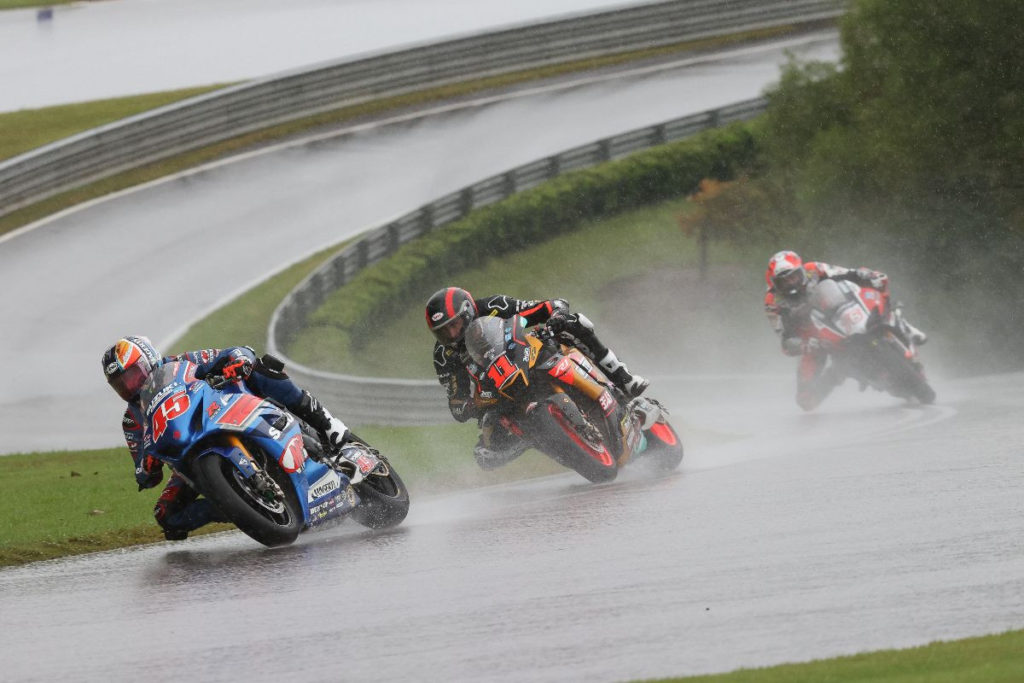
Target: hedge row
(558, 206)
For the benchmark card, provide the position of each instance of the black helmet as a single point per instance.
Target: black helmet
(449, 312)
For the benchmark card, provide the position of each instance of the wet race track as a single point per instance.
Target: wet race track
(866, 525)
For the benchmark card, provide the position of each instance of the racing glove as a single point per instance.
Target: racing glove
(879, 281)
(557, 322)
(149, 473)
(237, 366)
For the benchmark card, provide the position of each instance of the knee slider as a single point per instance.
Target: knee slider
(270, 366)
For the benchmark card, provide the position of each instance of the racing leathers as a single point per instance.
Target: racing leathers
(456, 370)
(179, 509)
(790, 318)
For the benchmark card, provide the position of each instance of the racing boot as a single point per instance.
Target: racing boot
(916, 336)
(333, 431)
(630, 384)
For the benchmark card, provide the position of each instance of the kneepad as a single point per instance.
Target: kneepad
(270, 366)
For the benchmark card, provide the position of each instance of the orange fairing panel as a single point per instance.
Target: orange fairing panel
(568, 372)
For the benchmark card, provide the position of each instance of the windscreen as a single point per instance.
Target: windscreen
(485, 340)
(158, 379)
(828, 295)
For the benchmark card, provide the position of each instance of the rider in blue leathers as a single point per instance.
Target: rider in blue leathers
(129, 362)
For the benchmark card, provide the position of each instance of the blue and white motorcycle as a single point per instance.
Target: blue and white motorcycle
(251, 457)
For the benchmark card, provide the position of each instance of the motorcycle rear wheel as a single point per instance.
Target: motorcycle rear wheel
(272, 523)
(664, 447)
(383, 499)
(555, 422)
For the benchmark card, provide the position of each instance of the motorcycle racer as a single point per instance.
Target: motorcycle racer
(787, 306)
(127, 364)
(449, 312)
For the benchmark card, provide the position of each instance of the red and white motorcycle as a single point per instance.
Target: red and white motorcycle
(867, 339)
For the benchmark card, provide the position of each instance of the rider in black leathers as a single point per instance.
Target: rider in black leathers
(450, 310)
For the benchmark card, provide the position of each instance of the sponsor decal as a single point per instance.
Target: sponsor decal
(294, 455)
(437, 316)
(274, 433)
(563, 367)
(365, 463)
(154, 402)
(606, 401)
(326, 484)
(213, 410)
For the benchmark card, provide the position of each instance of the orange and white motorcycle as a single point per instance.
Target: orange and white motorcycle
(559, 402)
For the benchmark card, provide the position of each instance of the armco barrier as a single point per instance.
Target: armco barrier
(233, 111)
(422, 402)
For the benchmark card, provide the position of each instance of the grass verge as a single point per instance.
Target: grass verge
(27, 129)
(601, 252)
(75, 502)
(987, 659)
(147, 173)
(20, 4)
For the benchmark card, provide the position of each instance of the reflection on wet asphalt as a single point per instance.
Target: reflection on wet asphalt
(870, 525)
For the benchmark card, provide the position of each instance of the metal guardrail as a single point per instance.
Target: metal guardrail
(259, 104)
(367, 400)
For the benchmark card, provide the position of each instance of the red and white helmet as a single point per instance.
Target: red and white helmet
(786, 274)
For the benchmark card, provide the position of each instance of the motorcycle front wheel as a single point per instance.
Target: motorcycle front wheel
(563, 436)
(267, 510)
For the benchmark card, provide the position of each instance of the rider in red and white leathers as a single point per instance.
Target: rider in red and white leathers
(786, 305)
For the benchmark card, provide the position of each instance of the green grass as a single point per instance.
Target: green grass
(987, 659)
(17, 4)
(24, 130)
(71, 502)
(601, 252)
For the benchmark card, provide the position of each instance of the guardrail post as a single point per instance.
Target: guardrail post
(554, 167)
(659, 135)
(363, 253)
(714, 117)
(509, 186)
(393, 240)
(604, 150)
(465, 201)
(426, 220)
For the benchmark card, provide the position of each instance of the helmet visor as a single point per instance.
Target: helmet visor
(128, 383)
(450, 331)
(791, 282)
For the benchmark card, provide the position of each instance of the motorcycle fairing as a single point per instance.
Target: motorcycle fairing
(327, 496)
(186, 417)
